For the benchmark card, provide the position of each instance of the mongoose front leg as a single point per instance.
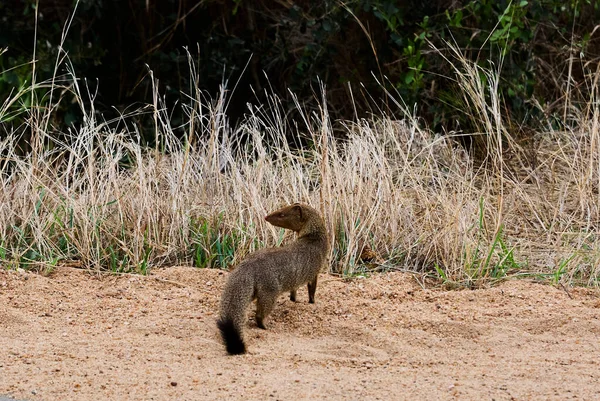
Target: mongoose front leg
(312, 287)
(293, 295)
(264, 306)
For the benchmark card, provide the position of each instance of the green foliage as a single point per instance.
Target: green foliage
(497, 261)
(212, 246)
(118, 261)
(343, 256)
(441, 273)
(30, 250)
(561, 269)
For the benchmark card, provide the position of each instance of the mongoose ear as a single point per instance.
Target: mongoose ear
(298, 208)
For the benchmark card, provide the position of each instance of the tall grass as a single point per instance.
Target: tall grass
(97, 197)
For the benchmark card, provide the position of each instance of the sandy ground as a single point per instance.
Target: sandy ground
(77, 336)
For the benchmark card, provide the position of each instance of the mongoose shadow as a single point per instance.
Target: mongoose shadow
(267, 273)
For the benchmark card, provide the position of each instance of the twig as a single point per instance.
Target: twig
(565, 288)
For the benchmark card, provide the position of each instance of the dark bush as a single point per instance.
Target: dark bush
(546, 48)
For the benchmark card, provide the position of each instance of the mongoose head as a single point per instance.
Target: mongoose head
(292, 217)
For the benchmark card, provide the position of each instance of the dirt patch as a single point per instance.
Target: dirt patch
(79, 336)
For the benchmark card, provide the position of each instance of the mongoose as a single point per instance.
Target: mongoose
(267, 273)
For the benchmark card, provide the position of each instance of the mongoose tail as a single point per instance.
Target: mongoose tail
(231, 337)
(237, 295)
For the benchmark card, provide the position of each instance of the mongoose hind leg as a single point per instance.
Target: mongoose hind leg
(293, 295)
(312, 288)
(264, 305)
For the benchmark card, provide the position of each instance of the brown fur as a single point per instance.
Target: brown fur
(267, 273)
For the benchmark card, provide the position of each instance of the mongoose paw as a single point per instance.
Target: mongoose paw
(261, 324)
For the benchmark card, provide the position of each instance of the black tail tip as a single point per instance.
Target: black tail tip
(231, 337)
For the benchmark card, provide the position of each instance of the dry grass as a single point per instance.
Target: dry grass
(414, 199)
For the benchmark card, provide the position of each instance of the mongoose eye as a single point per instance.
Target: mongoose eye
(281, 214)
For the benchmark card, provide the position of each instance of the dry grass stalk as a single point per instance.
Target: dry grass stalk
(417, 200)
